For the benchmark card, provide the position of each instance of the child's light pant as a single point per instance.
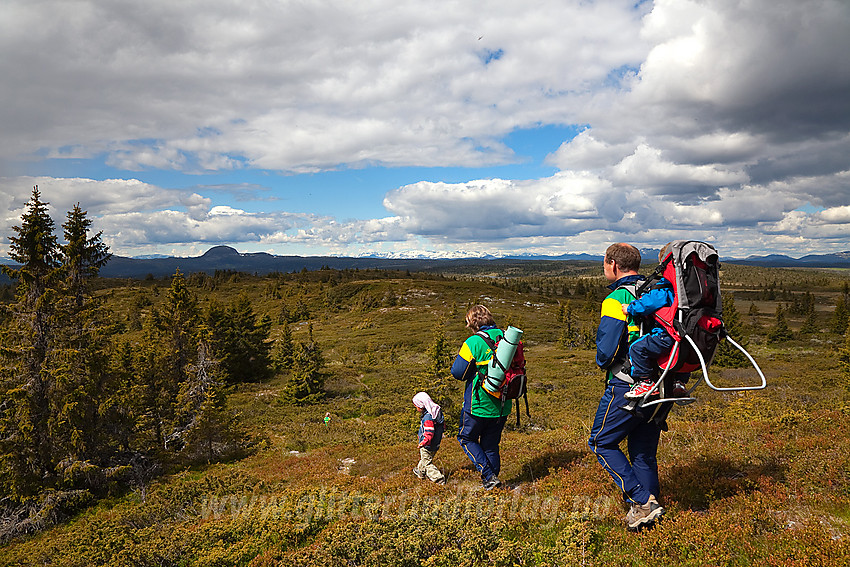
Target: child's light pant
(426, 464)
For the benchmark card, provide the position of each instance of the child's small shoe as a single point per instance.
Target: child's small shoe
(679, 390)
(640, 389)
(419, 474)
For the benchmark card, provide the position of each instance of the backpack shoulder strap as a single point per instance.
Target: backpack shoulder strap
(655, 276)
(631, 288)
(492, 345)
(486, 338)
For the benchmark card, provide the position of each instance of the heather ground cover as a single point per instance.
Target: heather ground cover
(749, 478)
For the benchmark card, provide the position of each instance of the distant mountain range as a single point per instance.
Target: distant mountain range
(227, 258)
(837, 260)
(261, 263)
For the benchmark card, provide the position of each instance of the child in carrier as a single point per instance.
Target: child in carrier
(430, 435)
(644, 352)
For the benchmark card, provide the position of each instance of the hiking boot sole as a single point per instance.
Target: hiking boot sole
(630, 396)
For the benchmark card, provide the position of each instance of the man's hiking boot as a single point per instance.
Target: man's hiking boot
(640, 389)
(491, 483)
(418, 473)
(642, 515)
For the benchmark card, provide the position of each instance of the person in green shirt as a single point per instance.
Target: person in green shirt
(484, 414)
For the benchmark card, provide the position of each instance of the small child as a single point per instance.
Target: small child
(430, 435)
(645, 351)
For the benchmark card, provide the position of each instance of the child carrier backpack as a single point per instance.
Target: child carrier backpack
(515, 385)
(696, 311)
(694, 320)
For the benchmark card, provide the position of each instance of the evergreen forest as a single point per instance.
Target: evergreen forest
(233, 419)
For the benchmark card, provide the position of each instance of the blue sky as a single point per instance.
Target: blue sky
(307, 127)
(347, 192)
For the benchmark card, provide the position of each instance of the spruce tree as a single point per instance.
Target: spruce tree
(81, 343)
(568, 337)
(152, 404)
(840, 316)
(26, 450)
(284, 353)
(35, 248)
(179, 323)
(216, 321)
(243, 343)
(83, 256)
(122, 409)
(168, 347)
(755, 317)
(55, 379)
(780, 331)
(810, 323)
(726, 354)
(307, 382)
(440, 354)
(206, 429)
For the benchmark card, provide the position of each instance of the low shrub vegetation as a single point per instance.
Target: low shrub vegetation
(748, 478)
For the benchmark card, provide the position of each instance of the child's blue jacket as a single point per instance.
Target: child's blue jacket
(431, 431)
(660, 295)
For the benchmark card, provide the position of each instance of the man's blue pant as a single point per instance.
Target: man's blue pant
(638, 478)
(480, 437)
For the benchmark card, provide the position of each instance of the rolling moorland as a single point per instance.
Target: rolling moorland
(749, 478)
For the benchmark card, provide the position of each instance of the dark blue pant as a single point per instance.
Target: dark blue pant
(636, 476)
(645, 351)
(480, 437)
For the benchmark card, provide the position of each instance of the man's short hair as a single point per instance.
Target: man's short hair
(626, 256)
(479, 316)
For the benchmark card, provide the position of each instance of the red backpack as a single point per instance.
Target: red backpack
(692, 267)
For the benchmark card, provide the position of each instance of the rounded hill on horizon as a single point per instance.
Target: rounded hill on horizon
(220, 252)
